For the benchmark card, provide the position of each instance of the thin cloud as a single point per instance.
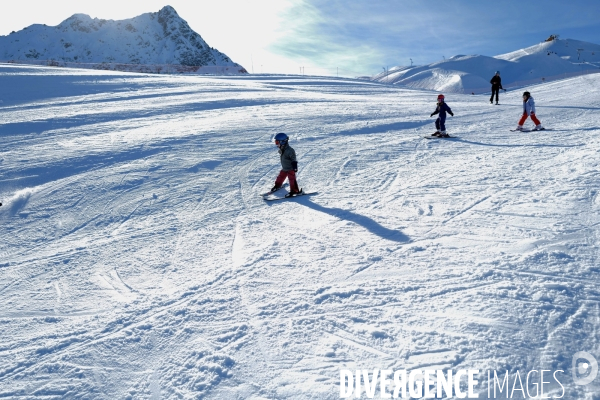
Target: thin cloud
(365, 35)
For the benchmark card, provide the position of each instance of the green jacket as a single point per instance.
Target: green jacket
(288, 158)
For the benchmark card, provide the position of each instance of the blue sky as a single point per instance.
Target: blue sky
(369, 35)
(356, 37)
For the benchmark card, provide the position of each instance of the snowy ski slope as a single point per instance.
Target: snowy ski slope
(137, 260)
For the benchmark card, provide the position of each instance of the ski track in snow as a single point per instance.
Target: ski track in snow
(138, 260)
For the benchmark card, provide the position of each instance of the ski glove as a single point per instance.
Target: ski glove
(451, 114)
(432, 115)
(295, 166)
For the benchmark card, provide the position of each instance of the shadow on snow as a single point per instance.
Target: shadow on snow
(366, 222)
(517, 145)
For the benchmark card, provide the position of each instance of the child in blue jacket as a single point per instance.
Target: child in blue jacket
(440, 123)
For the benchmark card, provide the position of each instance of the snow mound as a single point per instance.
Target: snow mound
(18, 200)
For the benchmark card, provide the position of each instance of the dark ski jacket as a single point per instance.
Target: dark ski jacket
(496, 81)
(288, 158)
(442, 108)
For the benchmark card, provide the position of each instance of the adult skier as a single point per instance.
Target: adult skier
(529, 111)
(289, 165)
(440, 123)
(496, 82)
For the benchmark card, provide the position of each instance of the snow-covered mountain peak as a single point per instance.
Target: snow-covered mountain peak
(565, 48)
(155, 38)
(77, 17)
(543, 62)
(168, 12)
(171, 21)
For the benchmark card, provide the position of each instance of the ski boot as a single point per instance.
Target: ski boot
(294, 194)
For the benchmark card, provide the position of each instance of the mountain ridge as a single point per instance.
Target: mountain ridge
(539, 63)
(161, 37)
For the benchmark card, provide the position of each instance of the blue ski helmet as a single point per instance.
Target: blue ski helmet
(281, 139)
(497, 72)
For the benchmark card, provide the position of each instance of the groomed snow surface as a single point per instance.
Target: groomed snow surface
(138, 261)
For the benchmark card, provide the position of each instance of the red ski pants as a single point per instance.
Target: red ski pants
(291, 176)
(533, 118)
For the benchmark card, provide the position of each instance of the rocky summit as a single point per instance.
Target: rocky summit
(161, 37)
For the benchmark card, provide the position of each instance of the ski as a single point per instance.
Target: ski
(440, 137)
(529, 130)
(273, 198)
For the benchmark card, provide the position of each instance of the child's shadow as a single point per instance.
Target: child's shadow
(366, 222)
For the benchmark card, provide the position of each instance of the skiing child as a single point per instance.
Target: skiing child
(289, 165)
(440, 123)
(529, 111)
